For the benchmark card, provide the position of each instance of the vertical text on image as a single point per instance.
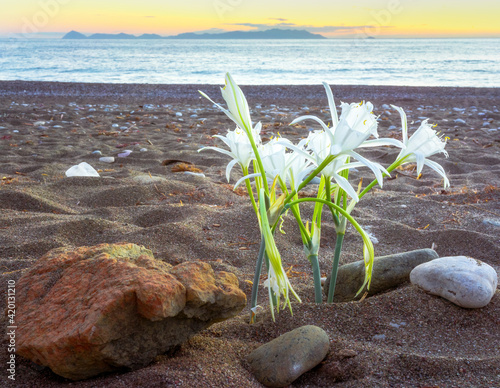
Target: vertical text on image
(11, 329)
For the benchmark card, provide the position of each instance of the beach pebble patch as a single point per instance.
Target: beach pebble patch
(465, 281)
(281, 361)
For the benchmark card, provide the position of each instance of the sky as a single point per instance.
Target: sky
(331, 18)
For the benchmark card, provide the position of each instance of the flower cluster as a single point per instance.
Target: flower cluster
(325, 156)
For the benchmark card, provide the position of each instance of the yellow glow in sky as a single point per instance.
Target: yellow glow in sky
(378, 18)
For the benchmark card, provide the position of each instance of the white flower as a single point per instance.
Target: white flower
(357, 123)
(240, 148)
(238, 110)
(292, 167)
(424, 143)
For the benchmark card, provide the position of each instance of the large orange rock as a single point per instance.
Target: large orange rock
(94, 309)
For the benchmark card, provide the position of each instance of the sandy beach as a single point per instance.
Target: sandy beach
(401, 338)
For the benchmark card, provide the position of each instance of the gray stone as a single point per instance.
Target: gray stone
(388, 272)
(148, 179)
(465, 281)
(281, 361)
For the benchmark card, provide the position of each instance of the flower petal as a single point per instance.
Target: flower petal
(439, 169)
(242, 179)
(382, 142)
(229, 168)
(404, 123)
(331, 104)
(346, 186)
(310, 117)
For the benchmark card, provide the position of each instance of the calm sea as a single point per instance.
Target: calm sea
(419, 62)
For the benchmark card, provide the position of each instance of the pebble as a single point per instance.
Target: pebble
(281, 361)
(147, 179)
(38, 123)
(97, 152)
(115, 125)
(82, 169)
(459, 121)
(143, 150)
(465, 281)
(491, 221)
(123, 128)
(178, 114)
(198, 174)
(124, 154)
(385, 106)
(107, 159)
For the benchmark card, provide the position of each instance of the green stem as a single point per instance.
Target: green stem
(311, 176)
(393, 166)
(336, 260)
(318, 295)
(250, 192)
(256, 279)
(328, 192)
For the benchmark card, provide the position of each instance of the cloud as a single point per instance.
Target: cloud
(320, 29)
(278, 19)
(211, 31)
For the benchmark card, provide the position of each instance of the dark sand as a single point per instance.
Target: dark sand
(402, 338)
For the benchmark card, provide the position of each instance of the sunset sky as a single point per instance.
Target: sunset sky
(378, 18)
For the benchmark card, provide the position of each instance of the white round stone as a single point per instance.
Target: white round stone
(107, 159)
(465, 281)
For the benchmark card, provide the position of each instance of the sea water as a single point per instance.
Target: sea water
(416, 62)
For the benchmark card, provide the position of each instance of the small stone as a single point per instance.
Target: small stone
(97, 152)
(115, 125)
(148, 179)
(281, 361)
(124, 154)
(492, 221)
(459, 121)
(82, 169)
(143, 150)
(178, 114)
(388, 272)
(107, 159)
(465, 281)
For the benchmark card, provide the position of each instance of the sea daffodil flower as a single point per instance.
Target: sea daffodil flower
(424, 143)
(237, 104)
(240, 148)
(356, 124)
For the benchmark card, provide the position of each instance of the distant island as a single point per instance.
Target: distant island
(274, 33)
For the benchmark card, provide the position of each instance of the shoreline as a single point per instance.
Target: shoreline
(42, 91)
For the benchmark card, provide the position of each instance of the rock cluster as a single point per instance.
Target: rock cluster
(95, 309)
